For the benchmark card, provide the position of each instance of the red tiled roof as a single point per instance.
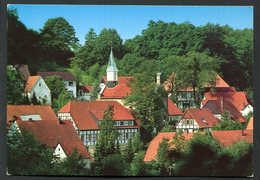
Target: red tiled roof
(32, 80)
(250, 125)
(220, 82)
(216, 108)
(45, 112)
(238, 99)
(152, 149)
(121, 79)
(201, 115)
(86, 114)
(118, 92)
(51, 133)
(24, 70)
(86, 88)
(227, 138)
(67, 76)
(173, 110)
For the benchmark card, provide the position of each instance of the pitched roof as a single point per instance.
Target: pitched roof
(238, 99)
(32, 80)
(67, 76)
(118, 92)
(169, 82)
(152, 149)
(45, 112)
(250, 125)
(86, 114)
(204, 117)
(218, 107)
(173, 110)
(86, 88)
(51, 133)
(229, 137)
(24, 70)
(121, 79)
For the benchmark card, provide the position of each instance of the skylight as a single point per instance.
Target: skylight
(34, 117)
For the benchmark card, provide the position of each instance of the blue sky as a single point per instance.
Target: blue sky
(129, 21)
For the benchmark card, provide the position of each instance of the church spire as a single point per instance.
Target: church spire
(112, 70)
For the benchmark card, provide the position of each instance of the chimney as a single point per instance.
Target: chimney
(158, 78)
(243, 133)
(99, 97)
(221, 104)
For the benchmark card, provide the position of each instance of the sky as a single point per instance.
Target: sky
(129, 21)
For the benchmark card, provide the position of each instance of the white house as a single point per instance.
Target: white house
(195, 119)
(36, 85)
(68, 79)
(86, 115)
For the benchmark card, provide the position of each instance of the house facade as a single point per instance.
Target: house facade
(195, 119)
(84, 93)
(42, 122)
(68, 79)
(36, 85)
(86, 116)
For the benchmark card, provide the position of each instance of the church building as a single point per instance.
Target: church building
(114, 87)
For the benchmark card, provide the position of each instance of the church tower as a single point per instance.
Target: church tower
(112, 72)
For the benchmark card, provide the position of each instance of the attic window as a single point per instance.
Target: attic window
(34, 117)
(40, 84)
(204, 121)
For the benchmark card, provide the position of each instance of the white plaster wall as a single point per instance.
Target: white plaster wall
(41, 91)
(112, 76)
(247, 109)
(71, 88)
(59, 152)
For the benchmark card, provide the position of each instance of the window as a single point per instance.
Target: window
(121, 123)
(40, 84)
(70, 83)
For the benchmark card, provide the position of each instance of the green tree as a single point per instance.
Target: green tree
(73, 165)
(199, 157)
(24, 148)
(34, 100)
(14, 86)
(165, 163)
(106, 144)
(137, 143)
(22, 43)
(58, 40)
(62, 100)
(147, 100)
(56, 85)
(195, 70)
(227, 124)
(115, 165)
(138, 167)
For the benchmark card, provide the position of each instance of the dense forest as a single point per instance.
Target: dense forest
(55, 47)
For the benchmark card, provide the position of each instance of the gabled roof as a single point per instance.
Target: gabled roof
(238, 99)
(66, 76)
(32, 80)
(218, 107)
(118, 92)
(121, 79)
(169, 83)
(86, 88)
(250, 125)
(45, 112)
(204, 117)
(230, 137)
(173, 110)
(152, 149)
(86, 114)
(23, 70)
(51, 133)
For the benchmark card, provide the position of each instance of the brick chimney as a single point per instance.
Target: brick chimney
(243, 133)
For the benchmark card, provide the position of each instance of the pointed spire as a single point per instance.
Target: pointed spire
(111, 63)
